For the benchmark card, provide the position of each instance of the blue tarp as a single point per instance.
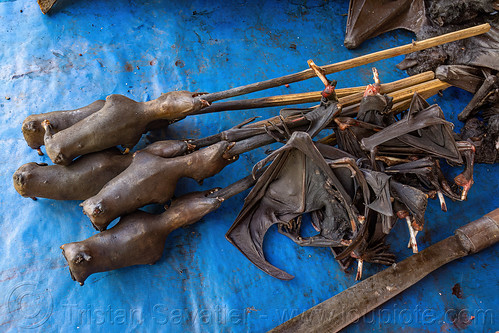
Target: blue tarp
(86, 50)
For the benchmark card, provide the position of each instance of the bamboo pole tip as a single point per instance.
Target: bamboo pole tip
(486, 26)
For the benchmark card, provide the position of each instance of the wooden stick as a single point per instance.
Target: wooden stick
(420, 88)
(351, 63)
(402, 104)
(347, 96)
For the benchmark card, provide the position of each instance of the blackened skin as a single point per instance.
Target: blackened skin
(32, 126)
(80, 180)
(138, 239)
(150, 179)
(485, 138)
(121, 121)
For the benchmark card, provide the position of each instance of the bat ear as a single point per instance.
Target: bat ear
(82, 256)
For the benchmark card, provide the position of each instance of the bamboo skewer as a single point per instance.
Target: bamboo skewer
(351, 63)
(422, 87)
(347, 96)
(404, 100)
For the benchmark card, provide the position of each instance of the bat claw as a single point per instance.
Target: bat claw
(412, 233)
(465, 184)
(216, 189)
(441, 198)
(226, 155)
(190, 146)
(360, 264)
(346, 242)
(47, 126)
(204, 103)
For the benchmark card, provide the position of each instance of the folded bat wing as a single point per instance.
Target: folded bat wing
(279, 196)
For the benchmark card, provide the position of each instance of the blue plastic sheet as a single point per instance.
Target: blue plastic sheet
(85, 50)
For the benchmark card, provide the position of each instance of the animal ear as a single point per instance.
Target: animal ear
(86, 256)
(82, 256)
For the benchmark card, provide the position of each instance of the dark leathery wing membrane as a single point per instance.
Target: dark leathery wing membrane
(368, 19)
(297, 181)
(422, 128)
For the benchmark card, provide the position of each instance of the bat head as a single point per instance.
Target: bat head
(79, 259)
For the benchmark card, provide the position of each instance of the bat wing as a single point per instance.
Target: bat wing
(469, 78)
(434, 133)
(278, 192)
(278, 196)
(483, 49)
(378, 182)
(367, 19)
(436, 139)
(414, 199)
(321, 117)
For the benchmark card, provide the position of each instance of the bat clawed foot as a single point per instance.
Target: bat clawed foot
(342, 126)
(291, 229)
(465, 179)
(346, 242)
(204, 103)
(190, 146)
(360, 265)
(39, 151)
(412, 242)
(47, 126)
(441, 198)
(227, 155)
(465, 183)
